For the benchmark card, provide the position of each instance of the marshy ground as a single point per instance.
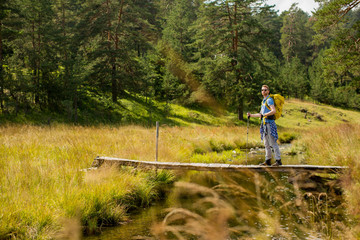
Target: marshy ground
(43, 190)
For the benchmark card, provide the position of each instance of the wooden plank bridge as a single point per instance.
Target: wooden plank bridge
(99, 161)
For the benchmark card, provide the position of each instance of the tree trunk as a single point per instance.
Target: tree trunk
(111, 55)
(63, 23)
(116, 85)
(241, 109)
(35, 67)
(75, 105)
(1, 72)
(114, 82)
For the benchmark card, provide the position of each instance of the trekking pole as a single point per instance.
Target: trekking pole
(157, 141)
(247, 138)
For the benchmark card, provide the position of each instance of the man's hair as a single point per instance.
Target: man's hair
(266, 86)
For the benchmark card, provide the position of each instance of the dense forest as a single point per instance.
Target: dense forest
(58, 55)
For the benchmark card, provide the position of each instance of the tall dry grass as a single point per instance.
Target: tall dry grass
(338, 145)
(251, 206)
(42, 187)
(334, 145)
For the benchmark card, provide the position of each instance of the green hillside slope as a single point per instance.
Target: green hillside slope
(302, 114)
(138, 110)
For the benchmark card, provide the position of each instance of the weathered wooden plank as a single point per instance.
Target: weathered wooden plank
(98, 161)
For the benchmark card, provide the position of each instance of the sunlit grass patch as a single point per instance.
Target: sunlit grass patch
(220, 146)
(298, 114)
(286, 137)
(335, 145)
(230, 156)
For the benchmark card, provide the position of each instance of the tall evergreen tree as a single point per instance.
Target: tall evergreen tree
(229, 40)
(175, 47)
(338, 22)
(119, 32)
(320, 88)
(271, 21)
(5, 12)
(176, 29)
(296, 35)
(293, 79)
(69, 42)
(34, 58)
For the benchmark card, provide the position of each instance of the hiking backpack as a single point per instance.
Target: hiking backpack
(279, 102)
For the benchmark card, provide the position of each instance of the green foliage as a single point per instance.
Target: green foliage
(346, 96)
(214, 54)
(319, 86)
(293, 80)
(296, 35)
(176, 30)
(337, 22)
(325, 90)
(229, 41)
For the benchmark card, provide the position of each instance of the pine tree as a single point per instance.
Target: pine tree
(296, 35)
(229, 39)
(175, 48)
(320, 89)
(338, 22)
(4, 14)
(119, 32)
(33, 60)
(294, 79)
(177, 23)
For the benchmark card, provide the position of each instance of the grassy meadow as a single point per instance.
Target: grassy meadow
(46, 195)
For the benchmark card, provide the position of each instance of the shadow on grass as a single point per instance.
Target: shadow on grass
(94, 110)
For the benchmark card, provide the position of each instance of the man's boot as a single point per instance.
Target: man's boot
(277, 163)
(266, 163)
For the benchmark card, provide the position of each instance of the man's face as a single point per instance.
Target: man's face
(264, 91)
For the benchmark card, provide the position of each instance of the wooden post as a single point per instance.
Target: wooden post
(247, 139)
(157, 140)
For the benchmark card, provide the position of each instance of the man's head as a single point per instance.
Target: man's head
(265, 91)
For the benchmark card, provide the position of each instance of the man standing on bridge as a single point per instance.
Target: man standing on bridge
(268, 129)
